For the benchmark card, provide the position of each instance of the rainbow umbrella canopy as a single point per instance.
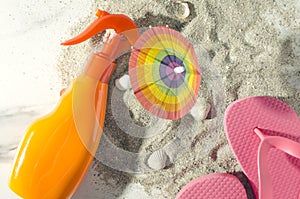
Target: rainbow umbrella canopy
(164, 73)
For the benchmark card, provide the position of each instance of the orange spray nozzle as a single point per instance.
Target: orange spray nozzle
(119, 22)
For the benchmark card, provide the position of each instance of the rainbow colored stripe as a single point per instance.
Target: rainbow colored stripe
(158, 87)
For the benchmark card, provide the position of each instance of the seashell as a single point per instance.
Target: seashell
(157, 160)
(224, 153)
(123, 83)
(182, 9)
(200, 110)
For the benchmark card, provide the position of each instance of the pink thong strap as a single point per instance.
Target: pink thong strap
(267, 142)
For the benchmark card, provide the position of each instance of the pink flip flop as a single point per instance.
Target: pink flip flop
(213, 186)
(264, 134)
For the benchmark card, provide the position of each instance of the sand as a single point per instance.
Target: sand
(248, 48)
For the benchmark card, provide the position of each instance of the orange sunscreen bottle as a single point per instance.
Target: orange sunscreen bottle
(57, 149)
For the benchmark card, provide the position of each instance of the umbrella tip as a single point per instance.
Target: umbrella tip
(179, 69)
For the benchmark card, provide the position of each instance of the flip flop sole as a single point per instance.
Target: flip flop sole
(213, 186)
(275, 118)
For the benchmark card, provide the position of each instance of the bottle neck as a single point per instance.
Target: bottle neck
(101, 64)
(100, 68)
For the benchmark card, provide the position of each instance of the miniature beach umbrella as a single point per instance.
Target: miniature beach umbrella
(164, 73)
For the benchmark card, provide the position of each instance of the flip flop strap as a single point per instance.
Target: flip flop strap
(267, 142)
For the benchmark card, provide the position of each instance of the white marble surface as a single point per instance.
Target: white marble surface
(30, 36)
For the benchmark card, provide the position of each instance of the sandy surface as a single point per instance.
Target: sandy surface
(253, 49)
(245, 48)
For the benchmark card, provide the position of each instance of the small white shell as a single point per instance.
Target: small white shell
(123, 83)
(183, 10)
(157, 160)
(109, 33)
(224, 153)
(200, 110)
